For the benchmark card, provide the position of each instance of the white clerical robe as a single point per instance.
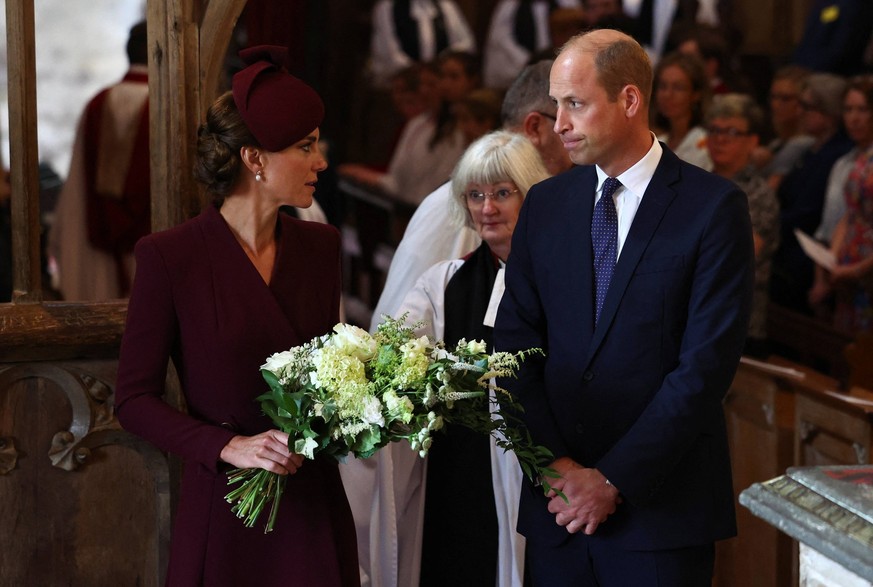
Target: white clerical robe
(393, 528)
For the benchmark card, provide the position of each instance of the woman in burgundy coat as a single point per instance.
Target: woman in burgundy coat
(219, 294)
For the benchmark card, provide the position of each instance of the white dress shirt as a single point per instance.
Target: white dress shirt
(634, 182)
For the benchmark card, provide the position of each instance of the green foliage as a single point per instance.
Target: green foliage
(350, 393)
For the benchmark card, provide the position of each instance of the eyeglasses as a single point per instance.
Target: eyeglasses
(546, 114)
(477, 198)
(726, 132)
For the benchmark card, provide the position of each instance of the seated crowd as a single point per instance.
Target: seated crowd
(800, 146)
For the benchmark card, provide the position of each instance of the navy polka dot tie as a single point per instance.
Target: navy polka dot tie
(604, 242)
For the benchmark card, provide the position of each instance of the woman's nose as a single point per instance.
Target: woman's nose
(488, 206)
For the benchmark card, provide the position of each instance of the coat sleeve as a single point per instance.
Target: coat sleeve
(149, 337)
(521, 325)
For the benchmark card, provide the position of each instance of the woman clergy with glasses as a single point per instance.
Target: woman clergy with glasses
(217, 295)
(464, 496)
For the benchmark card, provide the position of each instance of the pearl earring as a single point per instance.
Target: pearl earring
(258, 176)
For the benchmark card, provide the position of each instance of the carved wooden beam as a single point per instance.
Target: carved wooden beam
(61, 330)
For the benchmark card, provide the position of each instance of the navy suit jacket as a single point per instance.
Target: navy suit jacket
(640, 396)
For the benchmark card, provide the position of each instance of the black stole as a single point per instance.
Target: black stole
(407, 29)
(524, 29)
(460, 518)
(467, 295)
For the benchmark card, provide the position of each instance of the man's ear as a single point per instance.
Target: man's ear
(633, 100)
(532, 126)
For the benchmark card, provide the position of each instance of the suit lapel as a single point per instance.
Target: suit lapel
(659, 194)
(580, 204)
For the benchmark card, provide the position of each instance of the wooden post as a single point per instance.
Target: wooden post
(23, 147)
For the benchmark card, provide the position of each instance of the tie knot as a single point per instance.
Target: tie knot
(610, 184)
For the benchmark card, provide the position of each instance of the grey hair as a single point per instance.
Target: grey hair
(497, 156)
(528, 93)
(737, 106)
(827, 91)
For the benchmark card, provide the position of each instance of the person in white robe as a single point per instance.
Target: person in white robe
(414, 35)
(110, 157)
(487, 189)
(510, 44)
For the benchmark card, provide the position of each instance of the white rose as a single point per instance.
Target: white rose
(277, 362)
(354, 341)
(476, 347)
(416, 346)
(372, 413)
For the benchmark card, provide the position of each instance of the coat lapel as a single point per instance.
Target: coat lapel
(579, 198)
(238, 285)
(659, 194)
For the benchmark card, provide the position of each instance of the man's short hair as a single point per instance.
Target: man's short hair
(138, 44)
(618, 62)
(528, 93)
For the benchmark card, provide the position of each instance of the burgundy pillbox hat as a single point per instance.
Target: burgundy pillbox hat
(278, 108)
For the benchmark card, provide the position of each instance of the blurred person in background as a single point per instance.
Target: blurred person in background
(681, 95)
(851, 281)
(802, 192)
(734, 123)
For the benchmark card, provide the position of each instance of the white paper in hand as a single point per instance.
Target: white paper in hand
(815, 250)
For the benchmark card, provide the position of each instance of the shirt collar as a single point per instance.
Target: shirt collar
(636, 179)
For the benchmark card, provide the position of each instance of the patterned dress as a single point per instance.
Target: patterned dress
(854, 311)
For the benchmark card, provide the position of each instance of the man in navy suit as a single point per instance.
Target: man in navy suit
(630, 403)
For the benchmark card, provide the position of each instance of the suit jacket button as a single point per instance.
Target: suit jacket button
(587, 376)
(580, 429)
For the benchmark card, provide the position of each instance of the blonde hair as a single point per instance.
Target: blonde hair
(495, 157)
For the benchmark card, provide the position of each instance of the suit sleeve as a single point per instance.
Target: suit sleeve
(521, 325)
(688, 404)
(149, 336)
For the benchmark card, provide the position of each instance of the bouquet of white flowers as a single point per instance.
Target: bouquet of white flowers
(350, 392)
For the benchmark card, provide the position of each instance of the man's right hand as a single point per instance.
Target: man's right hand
(590, 498)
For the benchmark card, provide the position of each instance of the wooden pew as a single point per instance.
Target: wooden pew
(808, 341)
(859, 355)
(759, 411)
